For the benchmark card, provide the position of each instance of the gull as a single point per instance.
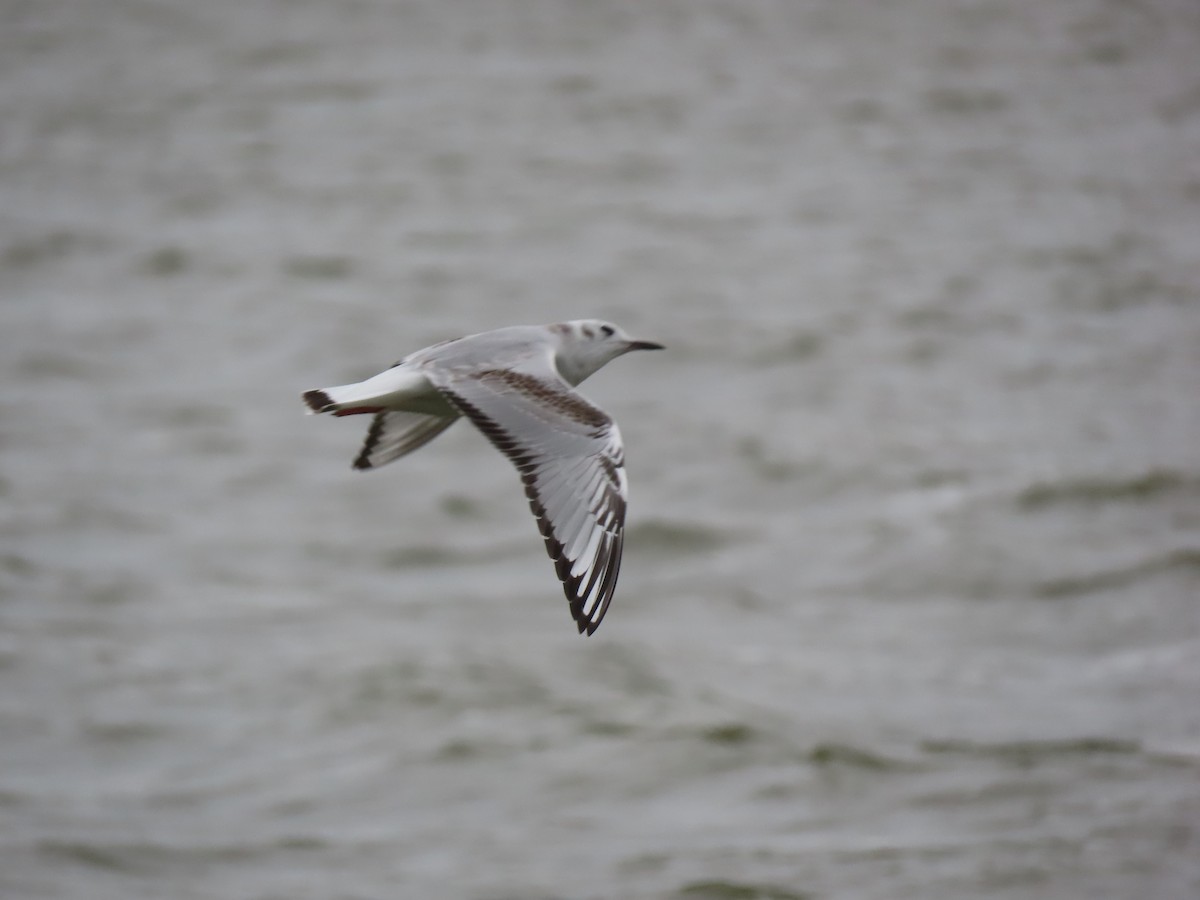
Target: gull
(517, 386)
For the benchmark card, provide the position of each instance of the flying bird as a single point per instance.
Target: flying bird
(517, 386)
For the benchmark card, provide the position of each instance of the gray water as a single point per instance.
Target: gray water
(911, 596)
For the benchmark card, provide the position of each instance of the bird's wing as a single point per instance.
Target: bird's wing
(571, 460)
(393, 434)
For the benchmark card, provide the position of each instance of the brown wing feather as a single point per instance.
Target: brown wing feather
(569, 456)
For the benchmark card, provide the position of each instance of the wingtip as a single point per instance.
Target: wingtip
(586, 624)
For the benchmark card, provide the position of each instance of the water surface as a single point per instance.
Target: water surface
(909, 603)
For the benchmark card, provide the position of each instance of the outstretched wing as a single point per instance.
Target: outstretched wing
(393, 434)
(570, 458)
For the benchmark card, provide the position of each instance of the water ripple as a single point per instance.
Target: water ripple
(1140, 488)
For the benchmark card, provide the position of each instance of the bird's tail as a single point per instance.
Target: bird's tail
(344, 400)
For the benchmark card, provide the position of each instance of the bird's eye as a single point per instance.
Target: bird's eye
(608, 330)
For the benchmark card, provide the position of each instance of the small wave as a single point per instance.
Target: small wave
(733, 890)
(767, 465)
(319, 268)
(420, 556)
(98, 856)
(135, 857)
(123, 732)
(1175, 754)
(462, 750)
(386, 685)
(16, 564)
(50, 365)
(800, 346)
(959, 101)
(1147, 486)
(729, 734)
(673, 537)
(832, 754)
(1186, 559)
(13, 799)
(49, 248)
(1029, 752)
(165, 261)
(459, 506)
(607, 728)
(189, 415)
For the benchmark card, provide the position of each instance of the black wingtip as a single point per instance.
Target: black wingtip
(318, 401)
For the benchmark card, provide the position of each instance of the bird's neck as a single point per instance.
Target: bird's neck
(575, 369)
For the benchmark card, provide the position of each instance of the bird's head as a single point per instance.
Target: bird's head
(589, 344)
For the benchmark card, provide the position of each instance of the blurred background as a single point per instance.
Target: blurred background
(911, 596)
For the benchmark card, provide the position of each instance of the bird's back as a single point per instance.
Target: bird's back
(498, 348)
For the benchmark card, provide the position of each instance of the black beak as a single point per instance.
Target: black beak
(645, 345)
